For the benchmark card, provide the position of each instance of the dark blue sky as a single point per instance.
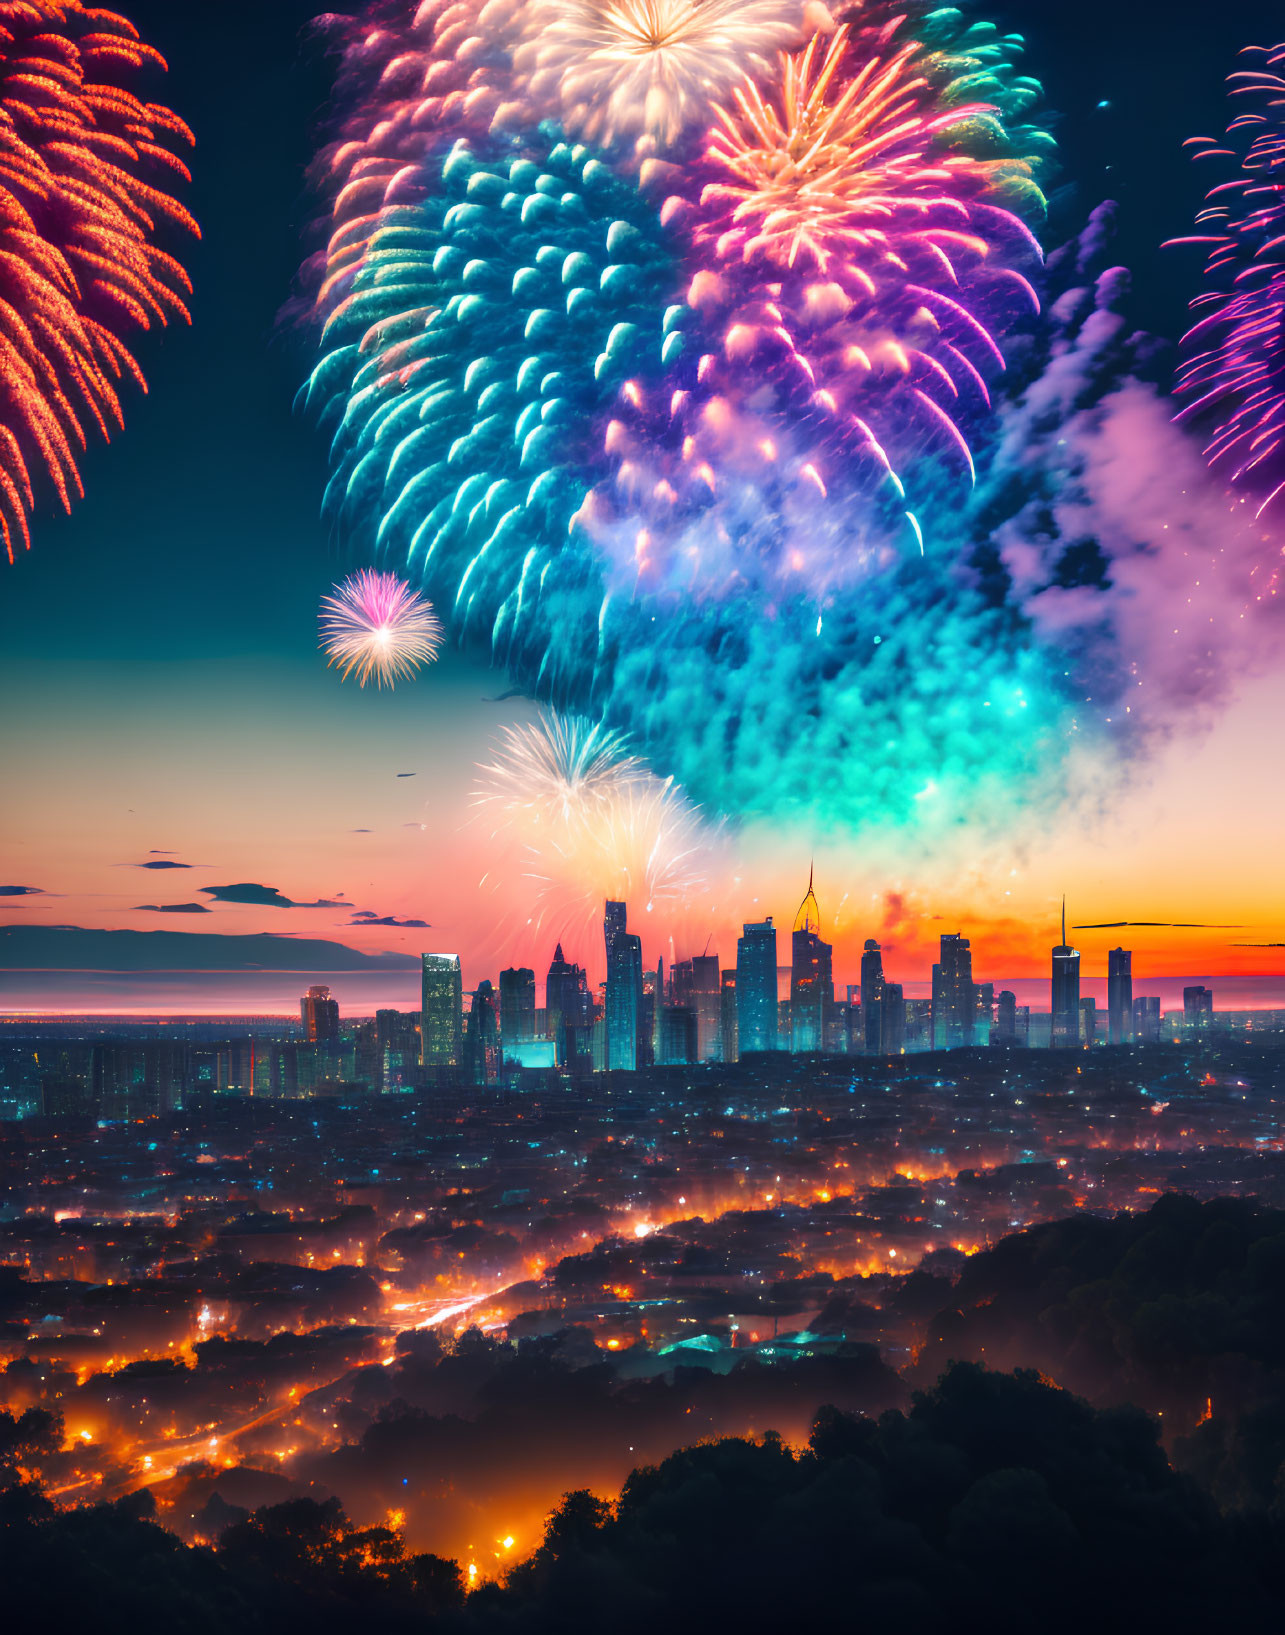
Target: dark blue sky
(200, 533)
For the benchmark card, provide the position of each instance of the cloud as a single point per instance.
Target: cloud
(22, 891)
(248, 892)
(172, 908)
(1172, 925)
(1256, 945)
(365, 917)
(163, 863)
(406, 774)
(44, 948)
(361, 831)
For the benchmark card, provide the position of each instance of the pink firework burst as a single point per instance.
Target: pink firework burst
(376, 627)
(1233, 371)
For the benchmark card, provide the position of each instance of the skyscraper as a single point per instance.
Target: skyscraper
(647, 1018)
(1006, 1018)
(517, 1005)
(1119, 996)
(728, 1016)
(482, 1039)
(615, 917)
(892, 1021)
(624, 1001)
(756, 986)
(811, 977)
(872, 987)
(983, 1011)
(708, 1003)
(1198, 1009)
(1146, 1019)
(397, 1042)
(320, 1016)
(954, 1001)
(660, 998)
(441, 1011)
(682, 984)
(569, 1005)
(677, 1035)
(1066, 993)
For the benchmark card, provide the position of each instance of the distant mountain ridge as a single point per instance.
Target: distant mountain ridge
(74, 948)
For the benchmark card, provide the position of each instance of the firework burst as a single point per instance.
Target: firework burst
(489, 329)
(627, 69)
(86, 170)
(630, 412)
(859, 258)
(412, 84)
(829, 166)
(557, 771)
(1233, 374)
(377, 628)
(590, 821)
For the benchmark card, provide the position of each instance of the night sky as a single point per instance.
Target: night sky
(159, 656)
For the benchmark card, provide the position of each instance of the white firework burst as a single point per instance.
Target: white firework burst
(591, 821)
(377, 628)
(645, 70)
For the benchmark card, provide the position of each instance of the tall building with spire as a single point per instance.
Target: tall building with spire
(1066, 993)
(756, 986)
(811, 977)
(569, 1006)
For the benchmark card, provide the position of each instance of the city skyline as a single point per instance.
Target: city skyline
(183, 992)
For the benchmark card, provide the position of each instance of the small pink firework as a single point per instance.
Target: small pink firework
(376, 626)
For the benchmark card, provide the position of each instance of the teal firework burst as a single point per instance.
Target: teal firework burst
(470, 372)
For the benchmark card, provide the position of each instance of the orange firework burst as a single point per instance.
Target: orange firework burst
(838, 160)
(78, 217)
